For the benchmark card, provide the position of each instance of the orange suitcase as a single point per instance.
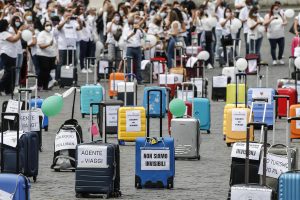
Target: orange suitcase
(114, 79)
(295, 125)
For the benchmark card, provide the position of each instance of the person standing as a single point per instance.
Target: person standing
(243, 16)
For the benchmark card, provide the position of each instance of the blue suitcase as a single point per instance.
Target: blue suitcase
(155, 159)
(39, 103)
(14, 185)
(155, 101)
(258, 109)
(202, 112)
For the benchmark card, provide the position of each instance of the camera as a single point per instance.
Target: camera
(74, 17)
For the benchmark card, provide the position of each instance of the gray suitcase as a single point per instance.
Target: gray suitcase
(253, 191)
(186, 134)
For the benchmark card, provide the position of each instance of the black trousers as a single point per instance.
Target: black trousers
(46, 64)
(8, 79)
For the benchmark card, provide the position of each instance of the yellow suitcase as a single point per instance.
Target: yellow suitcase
(131, 124)
(231, 93)
(236, 132)
(226, 108)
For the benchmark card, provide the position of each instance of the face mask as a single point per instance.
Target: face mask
(117, 18)
(122, 13)
(255, 14)
(163, 14)
(228, 14)
(17, 24)
(275, 11)
(141, 13)
(52, 14)
(152, 7)
(29, 18)
(48, 28)
(249, 7)
(90, 18)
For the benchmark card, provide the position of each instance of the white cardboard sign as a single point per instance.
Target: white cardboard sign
(183, 95)
(239, 120)
(263, 93)
(220, 81)
(155, 159)
(24, 120)
(114, 85)
(65, 140)
(112, 115)
(12, 107)
(276, 165)
(239, 150)
(297, 115)
(102, 65)
(92, 156)
(10, 138)
(133, 121)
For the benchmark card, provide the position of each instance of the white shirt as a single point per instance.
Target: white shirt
(255, 33)
(34, 48)
(67, 36)
(210, 8)
(63, 3)
(275, 29)
(220, 15)
(18, 44)
(43, 3)
(236, 2)
(244, 15)
(7, 47)
(45, 38)
(110, 35)
(153, 29)
(227, 29)
(136, 39)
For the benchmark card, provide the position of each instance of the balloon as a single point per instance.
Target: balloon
(297, 62)
(177, 107)
(234, 28)
(289, 13)
(26, 35)
(261, 29)
(212, 21)
(52, 105)
(203, 55)
(237, 23)
(150, 40)
(241, 64)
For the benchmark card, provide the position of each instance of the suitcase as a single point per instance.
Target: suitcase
(23, 156)
(295, 128)
(128, 89)
(114, 79)
(187, 145)
(68, 73)
(103, 70)
(282, 103)
(131, 124)
(155, 161)
(219, 84)
(109, 116)
(248, 191)
(90, 93)
(37, 102)
(170, 81)
(14, 186)
(99, 173)
(288, 182)
(231, 93)
(154, 101)
(253, 59)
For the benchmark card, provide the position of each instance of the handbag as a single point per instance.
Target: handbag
(227, 40)
(117, 35)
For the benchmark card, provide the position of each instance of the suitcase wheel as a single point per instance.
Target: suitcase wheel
(121, 142)
(279, 117)
(208, 131)
(78, 195)
(46, 128)
(228, 144)
(224, 137)
(73, 170)
(34, 179)
(170, 185)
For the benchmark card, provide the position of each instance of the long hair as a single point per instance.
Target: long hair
(252, 10)
(271, 10)
(3, 25)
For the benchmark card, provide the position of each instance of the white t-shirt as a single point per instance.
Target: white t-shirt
(275, 29)
(255, 33)
(34, 48)
(7, 47)
(110, 35)
(45, 38)
(220, 15)
(18, 44)
(136, 39)
(67, 36)
(227, 29)
(210, 8)
(236, 2)
(153, 29)
(43, 3)
(64, 3)
(244, 15)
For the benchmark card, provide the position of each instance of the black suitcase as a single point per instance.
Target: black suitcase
(98, 174)
(218, 93)
(24, 158)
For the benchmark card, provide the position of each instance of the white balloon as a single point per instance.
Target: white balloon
(261, 29)
(297, 62)
(212, 21)
(237, 23)
(203, 55)
(241, 64)
(150, 40)
(289, 13)
(234, 28)
(26, 35)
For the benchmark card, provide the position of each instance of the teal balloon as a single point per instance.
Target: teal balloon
(177, 107)
(52, 105)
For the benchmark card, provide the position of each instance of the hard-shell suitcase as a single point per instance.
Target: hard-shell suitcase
(295, 128)
(281, 104)
(68, 73)
(231, 93)
(248, 191)
(90, 93)
(253, 58)
(219, 84)
(170, 81)
(23, 156)
(154, 159)
(114, 79)
(155, 101)
(131, 123)
(14, 187)
(97, 168)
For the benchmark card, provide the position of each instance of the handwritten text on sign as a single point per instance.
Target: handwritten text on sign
(33, 117)
(12, 107)
(276, 165)
(65, 140)
(133, 121)
(239, 150)
(112, 115)
(92, 156)
(239, 120)
(155, 159)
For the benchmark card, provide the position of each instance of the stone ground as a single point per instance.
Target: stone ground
(204, 179)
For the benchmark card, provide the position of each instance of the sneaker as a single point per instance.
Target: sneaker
(51, 84)
(16, 90)
(274, 62)
(90, 71)
(84, 71)
(281, 62)
(209, 66)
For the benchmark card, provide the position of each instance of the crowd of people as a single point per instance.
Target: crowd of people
(68, 30)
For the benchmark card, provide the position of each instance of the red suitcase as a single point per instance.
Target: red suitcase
(188, 112)
(282, 103)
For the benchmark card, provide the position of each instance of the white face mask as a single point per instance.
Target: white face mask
(136, 21)
(117, 18)
(228, 14)
(255, 14)
(48, 28)
(122, 13)
(275, 11)
(163, 14)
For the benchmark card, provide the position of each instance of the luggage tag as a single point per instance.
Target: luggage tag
(95, 129)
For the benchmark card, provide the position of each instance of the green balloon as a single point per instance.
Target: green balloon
(177, 107)
(52, 105)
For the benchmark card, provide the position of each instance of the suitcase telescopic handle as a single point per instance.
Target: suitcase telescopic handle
(98, 117)
(148, 111)
(240, 75)
(16, 115)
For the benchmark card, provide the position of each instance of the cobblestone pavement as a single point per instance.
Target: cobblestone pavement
(204, 179)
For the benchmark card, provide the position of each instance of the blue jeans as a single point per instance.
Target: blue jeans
(136, 54)
(246, 43)
(170, 51)
(273, 44)
(36, 65)
(19, 63)
(257, 44)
